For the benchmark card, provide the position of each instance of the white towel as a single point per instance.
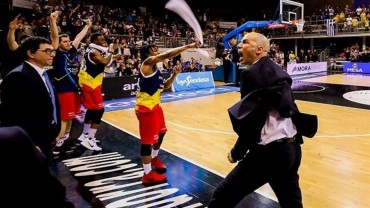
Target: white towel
(181, 8)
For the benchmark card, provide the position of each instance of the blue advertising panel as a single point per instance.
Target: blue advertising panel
(193, 81)
(218, 73)
(356, 67)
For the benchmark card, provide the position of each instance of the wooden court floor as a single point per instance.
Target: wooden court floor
(335, 169)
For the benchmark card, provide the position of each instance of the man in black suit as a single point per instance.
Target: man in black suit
(27, 100)
(235, 59)
(25, 177)
(268, 146)
(226, 64)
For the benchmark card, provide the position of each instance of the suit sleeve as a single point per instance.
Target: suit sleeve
(15, 96)
(28, 171)
(240, 149)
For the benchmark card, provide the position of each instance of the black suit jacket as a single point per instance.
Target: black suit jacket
(264, 86)
(24, 177)
(26, 102)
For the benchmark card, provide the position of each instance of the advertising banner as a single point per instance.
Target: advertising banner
(122, 87)
(228, 25)
(305, 68)
(356, 67)
(193, 81)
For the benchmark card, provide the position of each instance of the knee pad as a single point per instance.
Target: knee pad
(160, 139)
(146, 150)
(96, 116)
(87, 115)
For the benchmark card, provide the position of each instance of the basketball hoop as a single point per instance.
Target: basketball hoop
(299, 24)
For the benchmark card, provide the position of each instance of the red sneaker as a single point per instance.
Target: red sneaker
(153, 177)
(157, 163)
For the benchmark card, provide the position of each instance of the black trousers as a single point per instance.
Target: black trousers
(276, 163)
(227, 69)
(238, 74)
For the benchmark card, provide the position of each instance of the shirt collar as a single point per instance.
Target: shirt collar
(38, 69)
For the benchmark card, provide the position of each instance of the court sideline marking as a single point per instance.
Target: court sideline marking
(265, 194)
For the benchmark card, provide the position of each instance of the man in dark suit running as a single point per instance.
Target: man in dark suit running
(268, 146)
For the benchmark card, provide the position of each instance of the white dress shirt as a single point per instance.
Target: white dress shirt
(276, 128)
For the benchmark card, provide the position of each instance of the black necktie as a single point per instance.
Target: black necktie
(52, 95)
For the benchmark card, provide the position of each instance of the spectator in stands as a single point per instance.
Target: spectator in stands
(292, 58)
(192, 39)
(309, 56)
(315, 56)
(332, 63)
(121, 68)
(176, 58)
(365, 56)
(349, 23)
(301, 55)
(12, 57)
(347, 54)
(355, 24)
(115, 46)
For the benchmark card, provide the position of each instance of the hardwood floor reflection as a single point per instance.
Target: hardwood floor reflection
(336, 163)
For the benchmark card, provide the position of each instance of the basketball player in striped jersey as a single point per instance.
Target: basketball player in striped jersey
(148, 109)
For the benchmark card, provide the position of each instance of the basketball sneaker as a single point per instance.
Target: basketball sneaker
(63, 145)
(153, 178)
(157, 163)
(90, 144)
(84, 136)
(58, 147)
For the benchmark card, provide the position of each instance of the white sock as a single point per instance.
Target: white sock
(86, 128)
(91, 133)
(155, 153)
(66, 135)
(147, 168)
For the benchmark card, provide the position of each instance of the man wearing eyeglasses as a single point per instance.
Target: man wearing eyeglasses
(27, 98)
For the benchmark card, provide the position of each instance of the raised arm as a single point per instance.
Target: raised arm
(73, 11)
(147, 66)
(82, 34)
(54, 29)
(13, 26)
(172, 52)
(98, 58)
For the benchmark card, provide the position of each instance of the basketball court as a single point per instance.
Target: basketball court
(335, 165)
